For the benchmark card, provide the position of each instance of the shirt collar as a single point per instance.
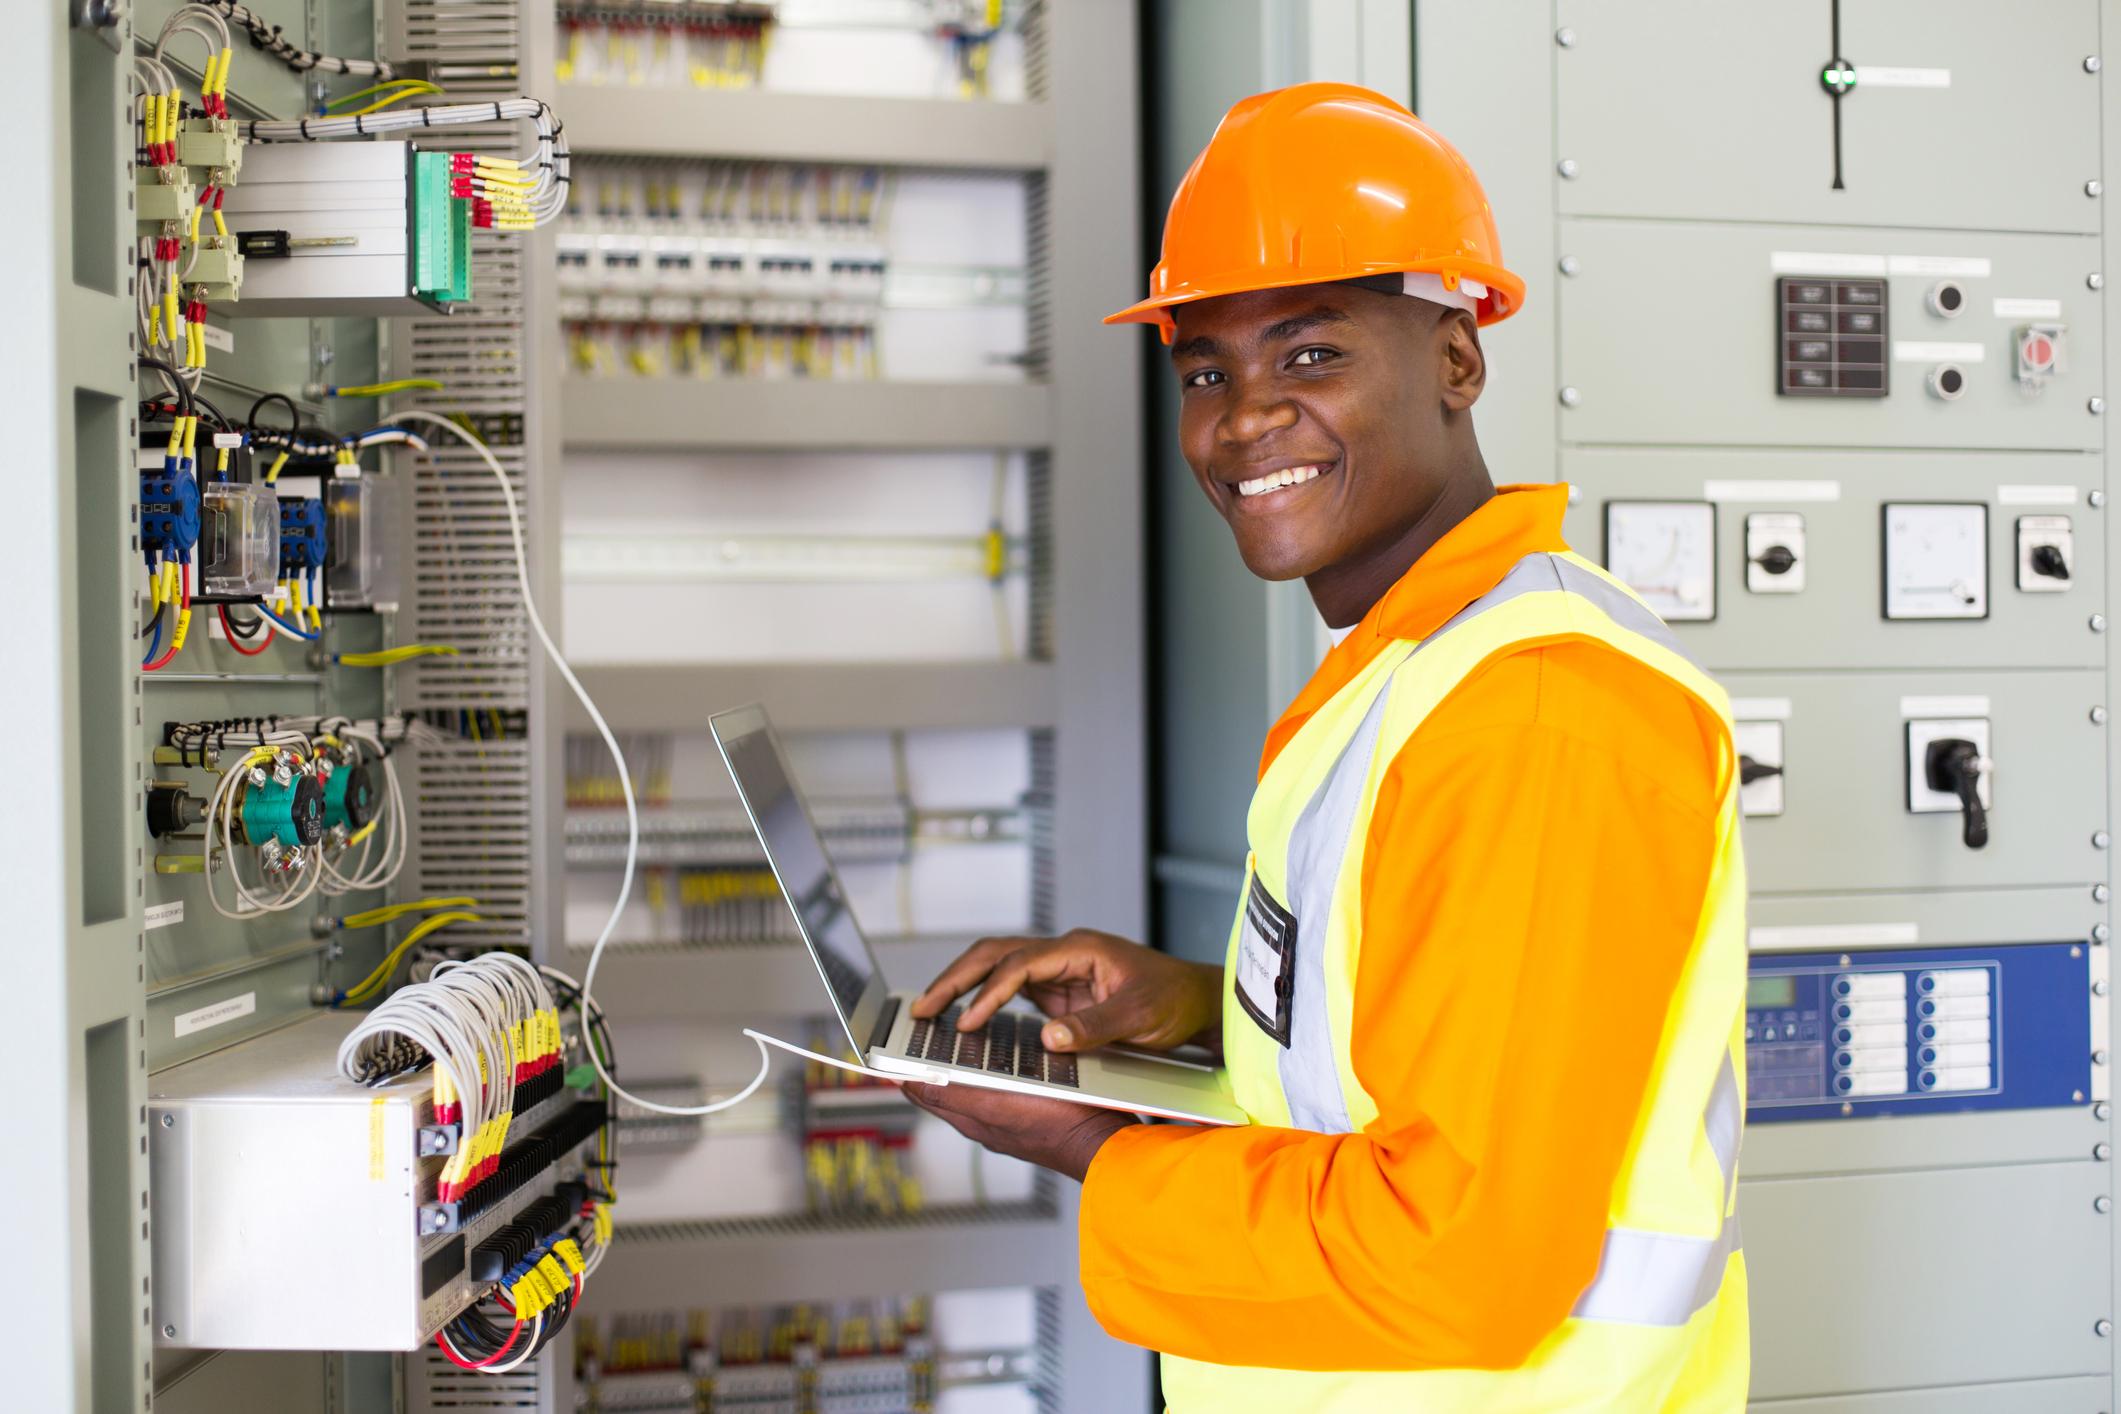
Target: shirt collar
(1470, 559)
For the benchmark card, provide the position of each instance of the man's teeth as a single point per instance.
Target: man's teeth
(1275, 480)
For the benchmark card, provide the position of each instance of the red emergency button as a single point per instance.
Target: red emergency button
(2039, 353)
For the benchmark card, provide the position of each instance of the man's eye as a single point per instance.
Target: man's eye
(1203, 378)
(1311, 358)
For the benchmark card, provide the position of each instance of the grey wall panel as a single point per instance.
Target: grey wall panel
(1840, 604)
(1745, 128)
(2086, 1395)
(1943, 1277)
(1899, 1143)
(1846, 825)
(1961, 918)
(1671, 333)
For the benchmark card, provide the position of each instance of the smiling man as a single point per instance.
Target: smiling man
(1483, 992)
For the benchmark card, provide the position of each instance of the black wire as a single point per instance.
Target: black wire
(237, 628)
(182, 389)
(149, 627)
(220, 419)
(294, 414)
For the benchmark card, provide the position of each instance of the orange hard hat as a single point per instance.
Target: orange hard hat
(1322, 182)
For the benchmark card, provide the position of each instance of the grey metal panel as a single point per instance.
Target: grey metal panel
(1745, 128)
(650, 414)
(1709, 378)
(750, 981)
(1943, 1277)
(2085, 1395)
(1963, 917)
(1846, 825)
(822, 697)
(807, 127)
(778, 1263)
(1897, 1143)
(1840, 604)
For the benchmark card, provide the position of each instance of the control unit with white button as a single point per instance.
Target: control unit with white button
(1913, 1032)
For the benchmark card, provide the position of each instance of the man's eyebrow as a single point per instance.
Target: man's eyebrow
(1303, 323)
(1199, 346)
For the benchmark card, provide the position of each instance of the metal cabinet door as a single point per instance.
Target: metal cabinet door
(1964, 113)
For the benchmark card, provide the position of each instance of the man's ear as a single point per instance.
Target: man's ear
(1463, 369)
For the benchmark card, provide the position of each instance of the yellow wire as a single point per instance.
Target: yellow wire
(410, 87)
(391, 912)
(390, 657)
(380, 104)
(272, 473)
(375, 980)
(381, 390)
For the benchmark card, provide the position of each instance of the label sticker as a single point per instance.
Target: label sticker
(1966, 267)
(218, 338)
(1923, 351)
(375, 1139)
(162, 915)
(229, 440)
(218, 1014)
(1773, 491)
(2036, 495)
(1888, 76)
(1812, 262)
(1944, 706)
(1760, 709)
(1266, 962)
(2007, 308)
(1811, 936)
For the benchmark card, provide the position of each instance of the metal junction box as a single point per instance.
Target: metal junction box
(288, 1201)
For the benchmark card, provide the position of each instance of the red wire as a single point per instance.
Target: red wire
(184, 602)
(237, 643)
(462, 1364)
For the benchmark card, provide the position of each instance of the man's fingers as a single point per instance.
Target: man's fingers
(1043, 961)
(1100, 1023)
(960, 976)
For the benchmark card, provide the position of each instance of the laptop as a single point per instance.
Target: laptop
(1005, 1054)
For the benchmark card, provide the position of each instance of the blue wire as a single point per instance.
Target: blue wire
(154, 643)
(285, 627)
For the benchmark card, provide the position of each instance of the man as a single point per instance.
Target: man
(1483, 994)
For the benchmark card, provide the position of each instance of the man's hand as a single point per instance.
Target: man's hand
(1053, 1134)
(1098, 988)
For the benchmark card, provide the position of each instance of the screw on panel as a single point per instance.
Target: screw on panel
(2095, 281)
(2091, 63)
(2095, 499)
(1569, 264)
(2102, 1204)
(2102, 1151)
(169, 1332)
(2102, 1327)
(2098, 623)
(1567, 167)
(1566, 38)
(2098, 720)
(2101, 839)
(1570, 397)
(2101, 1110)
(2101, 893)
(2093, 187)
(169, 1121)
(2098, 1058)
(2101, 932)
(2095, 405)
(2101, 987)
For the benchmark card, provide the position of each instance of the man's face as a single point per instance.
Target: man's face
(1312, 417)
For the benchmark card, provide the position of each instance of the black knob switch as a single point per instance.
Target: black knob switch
(2049, 560)
(1952, 764)
(1750, 770)
(1777, 559)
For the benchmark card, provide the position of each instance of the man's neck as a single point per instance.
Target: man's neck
(1346, 591)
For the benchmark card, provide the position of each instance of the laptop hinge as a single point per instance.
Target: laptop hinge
(882, 1033)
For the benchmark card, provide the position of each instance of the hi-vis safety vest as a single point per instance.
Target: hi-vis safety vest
(1662, 1326)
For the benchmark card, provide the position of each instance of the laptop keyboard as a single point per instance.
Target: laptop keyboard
(1007, 1045)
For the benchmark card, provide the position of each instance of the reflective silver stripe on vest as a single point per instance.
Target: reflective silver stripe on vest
(1310, 1077)
(1656, 1278)
(1542, 572)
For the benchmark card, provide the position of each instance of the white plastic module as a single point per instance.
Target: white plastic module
(356, 193)
(239, 539)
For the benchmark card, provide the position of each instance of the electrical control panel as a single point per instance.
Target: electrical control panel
(1899, 1032)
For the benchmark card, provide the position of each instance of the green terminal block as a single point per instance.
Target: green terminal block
(212, 143)
(165, 194)
(441, 233)
(218, 265)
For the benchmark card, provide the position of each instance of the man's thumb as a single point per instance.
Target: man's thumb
(1095, 1025)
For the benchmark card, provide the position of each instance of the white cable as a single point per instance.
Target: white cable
(633, 815)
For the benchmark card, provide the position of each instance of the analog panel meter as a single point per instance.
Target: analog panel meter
(1936, 560)
(1666, 552)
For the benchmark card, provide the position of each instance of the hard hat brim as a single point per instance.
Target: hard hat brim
(1505, 291)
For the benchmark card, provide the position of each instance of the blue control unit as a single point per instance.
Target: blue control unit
(1918, 1032)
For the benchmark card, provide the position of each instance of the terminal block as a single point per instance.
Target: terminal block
(169, 513)
(164, 193)
(301, 536)
(212, 143)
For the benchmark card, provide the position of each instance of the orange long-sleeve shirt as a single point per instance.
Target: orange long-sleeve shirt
(1535, 871)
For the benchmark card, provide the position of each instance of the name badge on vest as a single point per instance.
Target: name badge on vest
(1266, 962)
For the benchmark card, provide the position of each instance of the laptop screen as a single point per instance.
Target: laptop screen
(797, 855)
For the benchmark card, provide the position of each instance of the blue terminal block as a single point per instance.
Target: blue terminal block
(1918, 1032)
(169, 513)
(301, 535)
